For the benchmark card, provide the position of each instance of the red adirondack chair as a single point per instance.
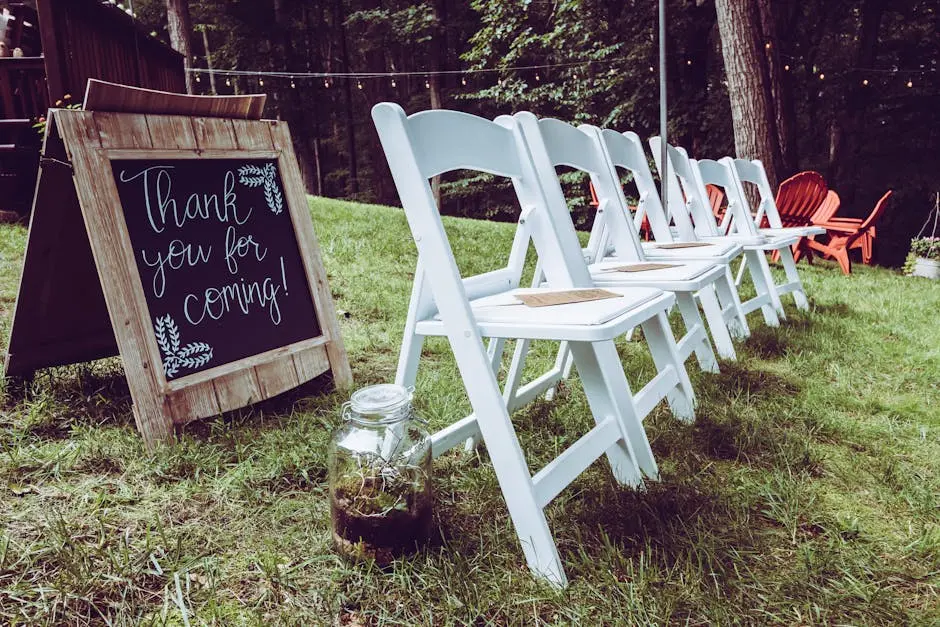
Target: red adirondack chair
(825, 213)
(799, 197)
(848, 233)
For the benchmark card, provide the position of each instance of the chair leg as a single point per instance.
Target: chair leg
(789, 267)
(842, 256)
(515, 480)
(608, 394)
(717, 326)
(407, 372)
(692, 319)
(728, 297)
(762, 286)
(741, 268)
(662, 345)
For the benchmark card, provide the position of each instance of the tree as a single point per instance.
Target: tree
(180, 28)
(752, 109)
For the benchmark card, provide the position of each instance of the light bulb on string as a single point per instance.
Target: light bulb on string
(427, 84)
(767, 46)
(865, 82)
(326, 83)
(651, 69)
(198, 78)
(358, 84)
(228, 82)
(910, 84)
(393, 82)
(822, 76)
(293, 85)
(261, 82)
(688, 62)
(786, 68)
(463, 80)
(537, 78)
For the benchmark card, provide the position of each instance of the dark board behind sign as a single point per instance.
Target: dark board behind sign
(217, 257)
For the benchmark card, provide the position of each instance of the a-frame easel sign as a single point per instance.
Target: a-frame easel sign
(185, 245)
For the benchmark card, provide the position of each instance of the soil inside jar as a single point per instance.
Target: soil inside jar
(380, 535)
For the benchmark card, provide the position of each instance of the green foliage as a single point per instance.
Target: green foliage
(926, 247)
(604, 71)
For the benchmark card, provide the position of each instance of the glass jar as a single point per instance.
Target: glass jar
(380, 476)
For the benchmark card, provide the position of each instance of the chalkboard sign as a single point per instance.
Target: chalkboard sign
(185, 245)
(217, 257)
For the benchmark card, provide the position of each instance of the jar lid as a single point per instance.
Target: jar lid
(380, 399)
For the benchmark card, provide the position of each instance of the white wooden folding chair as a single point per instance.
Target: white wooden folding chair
(467, 309)
(753, 173)
(554, 143)
(625, 150)
(724, 174)
(684, 175)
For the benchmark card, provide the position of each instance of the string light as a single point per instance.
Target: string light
(688, 62)
(427, 84)
(393, 82)
(261, 82)
(910, 83)
(463, 80)
(537, 79)
(292, 84)
(358, 84)
(228, 82)
(822, 76)
(198, 79)
(326, 83)
(865, 82)
(767, 46)
(786, 68)
(651, 69)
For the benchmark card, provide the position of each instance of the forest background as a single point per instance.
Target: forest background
(850, 88)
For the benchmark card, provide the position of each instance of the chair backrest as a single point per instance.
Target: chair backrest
(430, 143)
(877, 212)
(799, 197)
(675, 198)
(753, 172)
(692, 188)
(828, 209)
(553, 143)
(723, 174)
(625, 150)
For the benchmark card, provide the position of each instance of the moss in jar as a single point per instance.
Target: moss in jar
(379, 510)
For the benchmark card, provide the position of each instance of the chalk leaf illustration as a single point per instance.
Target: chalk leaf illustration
(193, 355)
(255, 176)
(251, 175)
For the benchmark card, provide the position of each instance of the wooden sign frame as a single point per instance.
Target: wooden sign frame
(81, 297)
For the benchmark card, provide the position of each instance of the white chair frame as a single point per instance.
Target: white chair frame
(724, 174)
(434, 142)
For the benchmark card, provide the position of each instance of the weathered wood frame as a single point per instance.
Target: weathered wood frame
(88, 140)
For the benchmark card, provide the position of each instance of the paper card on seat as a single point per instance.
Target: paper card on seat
(564, 297)
(682, 245)
(641, 267)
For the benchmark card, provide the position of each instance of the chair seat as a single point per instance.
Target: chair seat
(717, 251)
(774, 241)
(801, 231)
(503, 315)
(687, 276)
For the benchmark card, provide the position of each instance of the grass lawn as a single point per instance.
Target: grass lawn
(807, 491)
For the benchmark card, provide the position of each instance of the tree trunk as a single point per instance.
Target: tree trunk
(180, 28)
(779, 94)
(338, 22)
(848, 124)
(752, 112)
(213, 87)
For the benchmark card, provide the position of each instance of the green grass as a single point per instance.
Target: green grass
(807, 492)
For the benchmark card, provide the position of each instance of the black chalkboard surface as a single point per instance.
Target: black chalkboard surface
(218, 259)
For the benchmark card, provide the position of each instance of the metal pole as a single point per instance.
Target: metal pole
(664, 162)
